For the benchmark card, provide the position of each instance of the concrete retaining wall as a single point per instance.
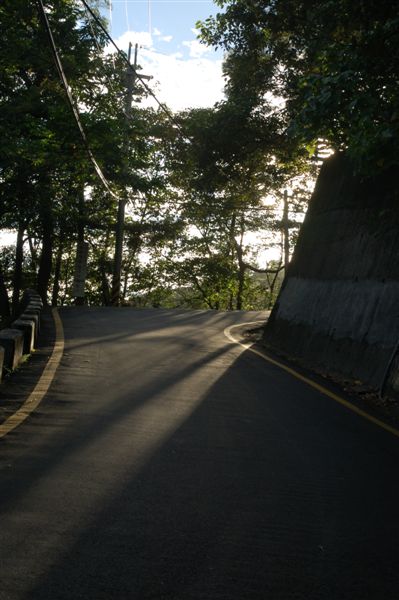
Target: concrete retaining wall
(338, 309)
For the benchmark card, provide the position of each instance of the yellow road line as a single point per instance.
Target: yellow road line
(310, 382)
(42, 386)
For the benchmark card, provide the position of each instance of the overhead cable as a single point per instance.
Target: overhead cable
(93, 33)
(71, 101)
(137, 73)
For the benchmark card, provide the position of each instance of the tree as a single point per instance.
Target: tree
(333, 64)
(231, 160)
(193, 202)
(42, 160)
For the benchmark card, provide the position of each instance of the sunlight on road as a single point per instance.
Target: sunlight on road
(110, 457)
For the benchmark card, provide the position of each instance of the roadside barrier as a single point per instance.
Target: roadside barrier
(1, 360)
(22, 337)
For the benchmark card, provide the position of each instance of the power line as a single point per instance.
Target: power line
(149, 17)
(71, 101)
(153, 51)
(137, 74)
(93, 33)
(122, 54)
(99, 50)
(127, 16)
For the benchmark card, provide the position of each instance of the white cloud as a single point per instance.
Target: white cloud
(193, 82)
(162, 38)
(196, 49)
(142, 38)
(184, 83)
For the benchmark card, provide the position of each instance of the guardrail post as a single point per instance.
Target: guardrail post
(12, 341)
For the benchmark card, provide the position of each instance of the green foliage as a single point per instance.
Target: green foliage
(7, 266)
(191, 203)
(334, 63)
(44, 166)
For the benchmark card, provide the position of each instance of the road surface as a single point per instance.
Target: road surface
(168, 463)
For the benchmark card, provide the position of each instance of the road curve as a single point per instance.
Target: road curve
(168, 463)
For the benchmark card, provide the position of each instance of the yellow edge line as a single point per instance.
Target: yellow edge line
(310, 382)
(42, 386)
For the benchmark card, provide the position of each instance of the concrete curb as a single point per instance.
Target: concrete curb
(1, 361)
(12, 341)
(34, 380)
(28, 327)
(22, 337)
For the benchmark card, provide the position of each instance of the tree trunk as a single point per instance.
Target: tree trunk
(104, 283)
(17, 279)
(46, 257)
(272, 286)
(80, 300)
(125, 282)
(241, 281)
(241, 268)
(231, 301)
(4, 302)
(286, 233)
(66, 275)
(33, 252)
(57, 273)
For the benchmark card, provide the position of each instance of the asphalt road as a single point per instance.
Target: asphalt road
(167, 463)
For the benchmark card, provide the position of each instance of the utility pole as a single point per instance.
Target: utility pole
(120, 223)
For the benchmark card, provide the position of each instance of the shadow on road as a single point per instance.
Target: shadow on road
(248, 494)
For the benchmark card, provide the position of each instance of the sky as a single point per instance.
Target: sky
(186, 73)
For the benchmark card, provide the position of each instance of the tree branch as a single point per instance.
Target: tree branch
(258, 270)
